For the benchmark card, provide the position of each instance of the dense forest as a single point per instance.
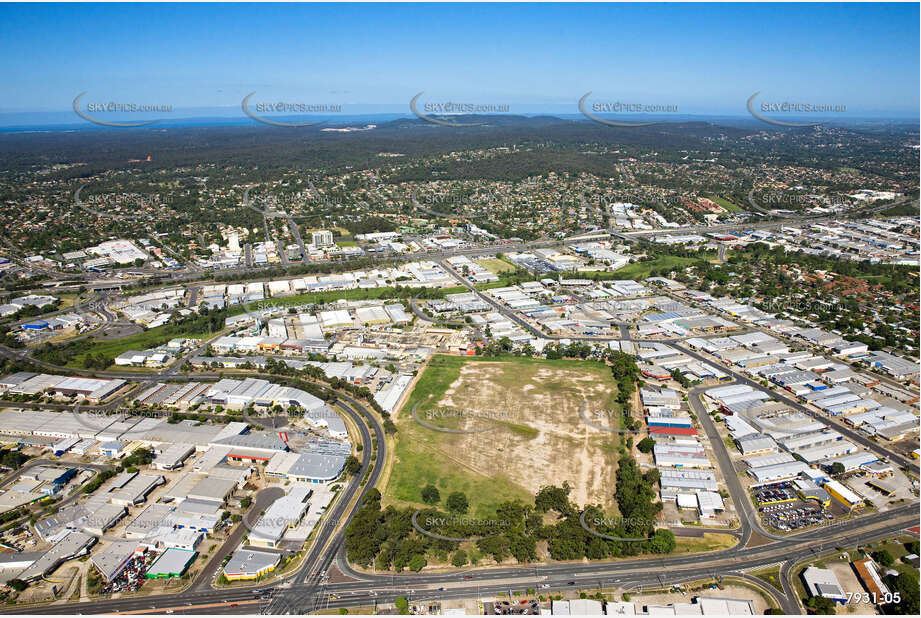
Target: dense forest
(269, 150)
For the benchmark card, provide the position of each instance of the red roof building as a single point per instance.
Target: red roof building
(673, 431)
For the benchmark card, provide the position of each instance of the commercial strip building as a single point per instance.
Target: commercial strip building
(700, 606)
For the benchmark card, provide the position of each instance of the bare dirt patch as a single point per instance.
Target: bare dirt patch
(536, 436)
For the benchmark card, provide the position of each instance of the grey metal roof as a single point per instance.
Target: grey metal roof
(211, 489)
(17, 378)
(250, 560)
(110, 560)
(261, 441)
(70, 546)
(173, 560)
(317, 466)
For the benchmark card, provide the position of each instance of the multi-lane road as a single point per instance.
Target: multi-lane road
(247, 267)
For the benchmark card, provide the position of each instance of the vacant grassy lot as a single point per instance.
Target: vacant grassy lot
(141, 341)
(711, 541)
(770, 575)
(528, 432)
(730, 206)
(496, 266)
(641, 270)
(903, 210)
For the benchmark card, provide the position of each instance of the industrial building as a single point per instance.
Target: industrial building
(680, 456)
(172, 563)
(675, 481)
(284, 513)
(210, 489)
(259, 447)
(111, 560)
(320, 461)
(843, 495)
(823, 583)
(756, 444)
(135, 489)
(708, 503)
(779, 472)
(71, 546)
(92, 389)
(250, 563)
(173, 457)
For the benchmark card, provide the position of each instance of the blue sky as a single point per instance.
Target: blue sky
(703, 58)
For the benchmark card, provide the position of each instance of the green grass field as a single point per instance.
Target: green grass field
(141, 341)
(641, 270)
(516, 455)
(897, 548)
(496, 266)
(731, 207)
(903, 210)
(771, 576)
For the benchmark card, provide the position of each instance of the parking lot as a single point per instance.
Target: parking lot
(505, 608)
(794, 515)
(773, 494)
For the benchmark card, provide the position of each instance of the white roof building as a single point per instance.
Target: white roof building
(284, 513)
(823, 583)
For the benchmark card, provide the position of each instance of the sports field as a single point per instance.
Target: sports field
(525, 431)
